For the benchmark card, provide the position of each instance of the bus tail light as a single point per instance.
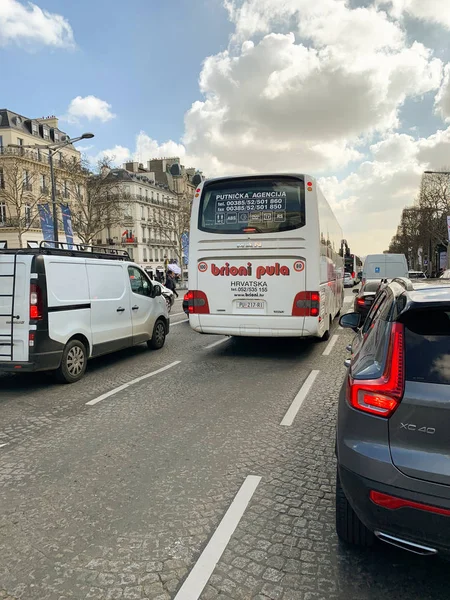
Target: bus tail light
(306, 304)
(197, 302)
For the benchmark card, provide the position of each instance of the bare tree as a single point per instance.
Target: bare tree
(97, 200)
(21, 192)
(177, 224)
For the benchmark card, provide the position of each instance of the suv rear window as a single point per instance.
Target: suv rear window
(427, 337)
(252, 205)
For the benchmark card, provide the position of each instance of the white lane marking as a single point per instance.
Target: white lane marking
(292, 411)
(205, 565)
(1, 445)
(217, 343)
(177, 314)
(330, 345)
(178, 322)
(130, 383)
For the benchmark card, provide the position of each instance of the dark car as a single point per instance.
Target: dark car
(392, 442)
(365, 297)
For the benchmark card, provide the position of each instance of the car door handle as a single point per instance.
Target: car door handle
(135, 307)
(347, 363)
(120, 309)
(349, 348)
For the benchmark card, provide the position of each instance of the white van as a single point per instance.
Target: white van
(59, 307)
(384, 266)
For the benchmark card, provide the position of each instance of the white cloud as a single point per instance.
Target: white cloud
(118, 155)
(432, 11)
(30, 26)
(307, 99)
(89, 108)
(308, 86)
(148, 148)
(369, 201)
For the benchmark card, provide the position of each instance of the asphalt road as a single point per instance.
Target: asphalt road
(135, 494)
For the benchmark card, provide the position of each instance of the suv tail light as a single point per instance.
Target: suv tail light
(382, 396)
(306, 304)
(197, 302)
(35, 302)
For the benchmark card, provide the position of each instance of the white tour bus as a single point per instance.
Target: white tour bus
(264, 258)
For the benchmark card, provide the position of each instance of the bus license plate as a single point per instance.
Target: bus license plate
(250, 305)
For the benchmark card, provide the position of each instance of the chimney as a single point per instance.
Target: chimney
(51, 121)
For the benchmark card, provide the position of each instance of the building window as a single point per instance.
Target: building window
(34, 128)
(43, 184)
(27, 214)
(56, 136)
(146, 195)
(26, 181)
(1, 143)
(142, 213)
(2, 180)
(65, 188)
(19, 141)
(2, 212)
(140, 192)
(148, 213)
(145, 254)
(46, 133)
(61, 159)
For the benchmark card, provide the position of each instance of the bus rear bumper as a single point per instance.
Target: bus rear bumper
(255, 326)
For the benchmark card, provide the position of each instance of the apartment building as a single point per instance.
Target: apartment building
(25, 181)
(148, 230)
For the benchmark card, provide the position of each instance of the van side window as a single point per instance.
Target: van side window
(139, 282)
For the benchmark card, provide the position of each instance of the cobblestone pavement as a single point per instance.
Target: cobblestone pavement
(116, 501)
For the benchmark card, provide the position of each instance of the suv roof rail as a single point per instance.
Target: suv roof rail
(405, 282)
(64, 249)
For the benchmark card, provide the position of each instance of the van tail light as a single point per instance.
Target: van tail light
(36, 309)
(306, 304)
(382, 396)
(197, 302)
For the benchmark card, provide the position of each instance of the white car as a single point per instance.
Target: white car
(445, 274)
(348, 280)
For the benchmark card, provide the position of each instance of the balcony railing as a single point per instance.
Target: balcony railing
(36, 156)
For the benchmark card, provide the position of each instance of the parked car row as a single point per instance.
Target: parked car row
(393, 455)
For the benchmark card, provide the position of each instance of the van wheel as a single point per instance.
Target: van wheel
(73, 362)
(348, 526)
(158, 337)
(326, 335)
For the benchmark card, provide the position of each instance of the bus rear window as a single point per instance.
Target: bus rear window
(252, 205)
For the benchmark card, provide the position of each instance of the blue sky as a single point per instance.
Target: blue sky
(142, 57)
(354, 92)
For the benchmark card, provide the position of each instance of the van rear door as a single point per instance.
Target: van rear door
(14, 312)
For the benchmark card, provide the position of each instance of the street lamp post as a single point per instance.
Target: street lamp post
(448, 241)
(52, 149)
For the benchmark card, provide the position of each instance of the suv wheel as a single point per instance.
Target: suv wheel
(348, 527)
(158, 337)
(73, 362)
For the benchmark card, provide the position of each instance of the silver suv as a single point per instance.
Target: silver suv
(393, 429)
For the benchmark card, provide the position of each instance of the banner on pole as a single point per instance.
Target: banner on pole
(185, 246)
(46, 218)
(448, 227)
(67, 222)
